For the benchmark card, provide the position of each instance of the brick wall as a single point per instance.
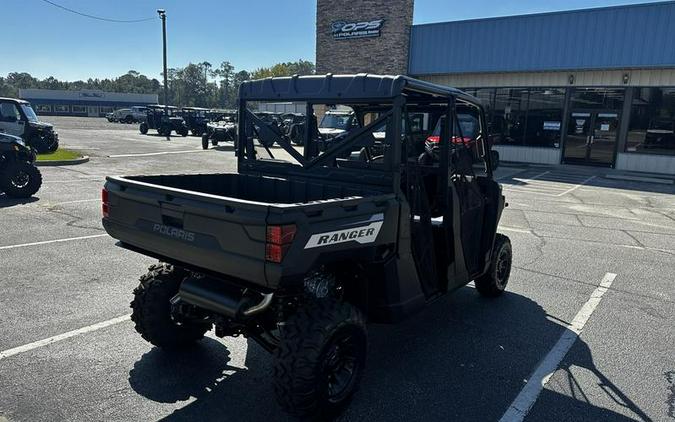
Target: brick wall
(386, 54)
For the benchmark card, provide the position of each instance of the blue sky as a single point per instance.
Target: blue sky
(47, 41)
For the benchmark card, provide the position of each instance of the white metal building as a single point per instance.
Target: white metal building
(87, 102)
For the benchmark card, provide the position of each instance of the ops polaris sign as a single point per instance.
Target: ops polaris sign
(343, 30)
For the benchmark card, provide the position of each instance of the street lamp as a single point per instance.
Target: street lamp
(162, 16)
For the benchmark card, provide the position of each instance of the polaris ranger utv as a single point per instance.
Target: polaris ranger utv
(300, 248)
(18, 118)
(164, 119)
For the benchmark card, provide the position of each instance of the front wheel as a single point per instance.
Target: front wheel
(493, 282)
(20, 180)
(183, 132)
(53, 145)
(151, 309)
(320, 359)
(205, 142)
(143, 128)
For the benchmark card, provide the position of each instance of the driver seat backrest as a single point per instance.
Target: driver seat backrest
(462, 161)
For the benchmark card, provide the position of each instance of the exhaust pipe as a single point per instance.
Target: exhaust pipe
(214, 296)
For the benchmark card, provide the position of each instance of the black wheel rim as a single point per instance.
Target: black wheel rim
(20, 180)
(503, 267)
(342, 363)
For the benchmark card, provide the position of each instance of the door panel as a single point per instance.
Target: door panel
(578, 133)
(591, 138)
(603, 138)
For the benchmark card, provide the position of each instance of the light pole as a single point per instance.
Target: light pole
(162, 16)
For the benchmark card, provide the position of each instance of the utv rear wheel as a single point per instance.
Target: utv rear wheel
(151, 309)
(143, 128)
(205, 142)
(320, 360)
(493, 283)
(20, 180)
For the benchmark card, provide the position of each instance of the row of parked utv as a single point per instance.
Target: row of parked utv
(214, 126)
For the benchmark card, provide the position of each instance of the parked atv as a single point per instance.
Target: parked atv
(19, 177)
(195, 119)
(299, 250)
(164, 120)
(222, 130)
(18, 118)
(293, 126)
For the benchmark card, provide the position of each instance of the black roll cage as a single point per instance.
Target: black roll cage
(394, 97)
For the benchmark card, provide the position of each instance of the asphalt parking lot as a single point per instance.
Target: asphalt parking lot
(592, 255)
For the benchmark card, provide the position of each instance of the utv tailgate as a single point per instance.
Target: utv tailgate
(221, 234)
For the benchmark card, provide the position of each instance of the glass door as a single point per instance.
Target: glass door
(603, 139)
(591, 138)
(578, 135)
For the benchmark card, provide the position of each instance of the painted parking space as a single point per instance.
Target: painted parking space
(552, 183)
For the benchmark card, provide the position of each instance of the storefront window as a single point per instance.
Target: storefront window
(509, 116)
(652, 121)
(523, 116)
(597, 98)
(544, 117)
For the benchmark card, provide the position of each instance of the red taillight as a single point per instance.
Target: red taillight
(278, 241)
(280, 235)
(455, 140)
(104, 203)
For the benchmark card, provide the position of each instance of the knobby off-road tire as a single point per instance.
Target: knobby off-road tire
(53, 145)
(493, 283)
(205, 142)
(20, 180)
(320, 360)
(152, 309)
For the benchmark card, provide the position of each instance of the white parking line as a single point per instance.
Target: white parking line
(45, 342)
(514, 229)
(535, 177)
(148, 154)
(46, 242)
(74, 202)
(78, 179)
(529, 394)
(572, 189)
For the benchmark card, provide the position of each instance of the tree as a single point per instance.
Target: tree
(225, 72)
(188, 86)
(301, 67)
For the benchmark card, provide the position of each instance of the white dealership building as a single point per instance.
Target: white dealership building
(86, 102)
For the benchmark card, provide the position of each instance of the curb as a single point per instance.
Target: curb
(62, 162)
(645, 179)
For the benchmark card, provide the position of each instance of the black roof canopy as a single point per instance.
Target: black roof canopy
(345, 88)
